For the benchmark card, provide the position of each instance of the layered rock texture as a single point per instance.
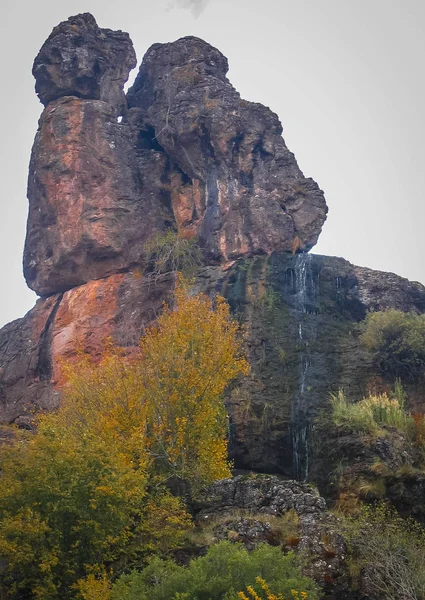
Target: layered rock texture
(94, 189)
(182, 152)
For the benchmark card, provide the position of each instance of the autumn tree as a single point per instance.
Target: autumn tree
(187, 361)
(166, 400)
(86, 495)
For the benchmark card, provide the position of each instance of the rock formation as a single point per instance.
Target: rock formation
(93, 189)
(244, 509)
(189, 154)
(237, 187)
(184, 153)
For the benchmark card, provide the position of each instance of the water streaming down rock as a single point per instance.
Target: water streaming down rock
(305, 292)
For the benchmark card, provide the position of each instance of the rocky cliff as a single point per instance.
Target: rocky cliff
(182, 152)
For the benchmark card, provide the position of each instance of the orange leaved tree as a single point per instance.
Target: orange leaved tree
(165, 402)
(85, 495)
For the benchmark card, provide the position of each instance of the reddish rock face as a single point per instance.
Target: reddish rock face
(25, 364)
(190, 156)
(116, 309)
(119, 307)
(89, 215)
(34, 348)
(240, 189)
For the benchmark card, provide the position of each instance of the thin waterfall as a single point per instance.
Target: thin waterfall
(304, 286)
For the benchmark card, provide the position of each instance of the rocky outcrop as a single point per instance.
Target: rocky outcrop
(94, 188)
(238, 187)
(301, 316)
(262, 494)
(189, 155)
(81, 59)
(25, 364)
(253, 509)
(33, 349)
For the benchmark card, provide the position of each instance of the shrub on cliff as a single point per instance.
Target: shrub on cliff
(386, 554)
(222, 573)
(87, 494)
(166, 252)
(372, 413)
(397, 340)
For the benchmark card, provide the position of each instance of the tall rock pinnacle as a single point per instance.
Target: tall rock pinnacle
(189, 154)
(93, 191)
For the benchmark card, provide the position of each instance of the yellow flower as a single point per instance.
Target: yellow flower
(253, 593)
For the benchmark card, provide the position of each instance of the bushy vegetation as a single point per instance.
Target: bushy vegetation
(386, 554)
(397, 340)
(88, 495)
(223, 574)
(372, 413)
(168, 252)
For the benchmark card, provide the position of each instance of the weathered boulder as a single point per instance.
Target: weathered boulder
(237, 188)
(81, 59)
(266, 494)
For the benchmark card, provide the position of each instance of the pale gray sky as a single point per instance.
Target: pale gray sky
(346, 78)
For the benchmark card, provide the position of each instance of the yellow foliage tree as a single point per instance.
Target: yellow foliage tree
(86, 492)
(187, 360)
(165, 404)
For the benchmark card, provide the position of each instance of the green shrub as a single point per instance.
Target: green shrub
(386, 554)
(224, 571)
(167, 252)
(351, 416)
(372, 413)
(397, 340)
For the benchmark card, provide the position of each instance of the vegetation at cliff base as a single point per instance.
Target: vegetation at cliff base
(88, 495)
(224, 573)
(386, 554)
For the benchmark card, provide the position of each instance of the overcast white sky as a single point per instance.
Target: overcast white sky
(346, 78)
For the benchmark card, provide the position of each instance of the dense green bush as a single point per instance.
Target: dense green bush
(397, 340)
(386, 554)
(225, 570)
